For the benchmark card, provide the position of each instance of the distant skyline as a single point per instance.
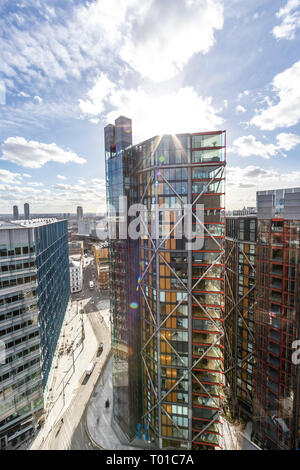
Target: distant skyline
(69, 68)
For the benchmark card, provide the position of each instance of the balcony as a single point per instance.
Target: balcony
(204, 338)
(276, 283)
(274, 335)
(212, 353)
(277, 255)
(199, 425)
(214, 390)
(215, 313)
(274, 348)
(209, 377)
(209, 299)
(209, 364)
(208, 438)
(277, 227)
(206, 401)
(210, 285)
(277, 270)
(274, 361)
(277, 240)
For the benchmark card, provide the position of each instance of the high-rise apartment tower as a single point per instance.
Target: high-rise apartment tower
(26, 211)
(167, 297)
(15, 213)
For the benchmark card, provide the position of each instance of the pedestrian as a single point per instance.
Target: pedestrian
(107, 403)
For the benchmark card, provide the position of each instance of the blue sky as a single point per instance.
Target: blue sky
(69, 68)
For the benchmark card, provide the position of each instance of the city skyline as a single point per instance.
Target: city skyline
(59, 99)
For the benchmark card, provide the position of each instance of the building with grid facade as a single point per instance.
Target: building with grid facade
(240, 263)
(167, 299)
(262, 317)
(276, 379)
(34, 293)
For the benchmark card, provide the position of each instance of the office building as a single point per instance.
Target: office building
(102, 265)
(26, 211)
(240, 264)
(34, 293)
(167, 299)
(79, 213)
(15, 213)
(76, 276)
(76, 248)
(103, 276)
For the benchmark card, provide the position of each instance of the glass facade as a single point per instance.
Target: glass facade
(123, 258)
(171, 294)
(34, 292)
(261, 358)
(53, 277)
(241, 235)
(21, 393)
(276, 328)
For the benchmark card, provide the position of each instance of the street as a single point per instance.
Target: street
(68, 431)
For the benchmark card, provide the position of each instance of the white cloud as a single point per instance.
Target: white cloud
(286, 112)
(240, 109)
(35, 184)
(290, 21)
(242, 184)
(32, 154)
(288, 141)
(37, 99)
(155, 113)
(164, 35)
(23, 94)
(60, 198)
(94, 120)
(25, 175)
(61, 177)
(243, 94)
(155, 37)
(7, 176)
(248, 146)
(97, 95)
(291, 5)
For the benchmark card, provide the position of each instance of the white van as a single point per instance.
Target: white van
(90, 368)
(91, 285)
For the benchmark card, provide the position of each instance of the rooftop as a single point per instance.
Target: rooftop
(13, 224)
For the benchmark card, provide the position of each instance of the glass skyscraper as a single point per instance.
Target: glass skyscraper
(167, 299)
(34, 293)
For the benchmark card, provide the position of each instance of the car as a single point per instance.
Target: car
(90, 368)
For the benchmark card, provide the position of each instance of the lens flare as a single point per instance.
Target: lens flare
(134, 305)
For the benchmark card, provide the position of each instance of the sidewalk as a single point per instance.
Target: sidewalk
(99, 418)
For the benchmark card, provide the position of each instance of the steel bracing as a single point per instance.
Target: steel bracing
(158, 323)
